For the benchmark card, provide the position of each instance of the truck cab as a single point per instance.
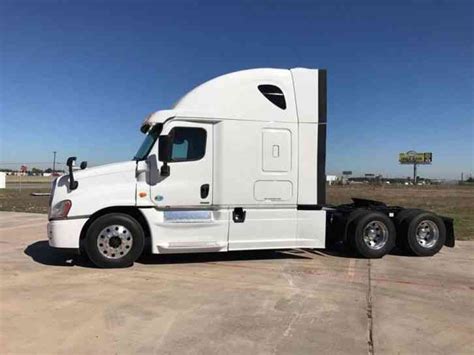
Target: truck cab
(237, 164)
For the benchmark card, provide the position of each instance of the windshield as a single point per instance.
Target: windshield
(147, 144)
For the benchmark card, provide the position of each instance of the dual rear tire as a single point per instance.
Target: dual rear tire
(421, 233)
(373, 234)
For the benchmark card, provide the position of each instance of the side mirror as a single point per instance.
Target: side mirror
(151, 165)
(152, 161)
(165, 146)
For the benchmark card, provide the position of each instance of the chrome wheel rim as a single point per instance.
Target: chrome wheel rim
(375, 235)
(114, 241)
(427, 233)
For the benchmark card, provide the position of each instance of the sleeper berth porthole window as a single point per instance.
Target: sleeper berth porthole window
(273, 94)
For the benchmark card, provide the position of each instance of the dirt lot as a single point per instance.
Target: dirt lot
(12, 179)
(258, 302)
(14, 199)
(453, 201)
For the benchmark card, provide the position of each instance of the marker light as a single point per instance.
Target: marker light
(61, 209)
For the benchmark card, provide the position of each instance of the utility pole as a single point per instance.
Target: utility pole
(54, 162)
(414, 173)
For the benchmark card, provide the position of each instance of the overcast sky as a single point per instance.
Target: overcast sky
(79, 77)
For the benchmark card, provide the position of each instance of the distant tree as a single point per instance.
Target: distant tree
(471, 179)
(49, 171)
(36, 171)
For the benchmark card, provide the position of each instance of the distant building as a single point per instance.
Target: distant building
(2, 180)
(331, 179)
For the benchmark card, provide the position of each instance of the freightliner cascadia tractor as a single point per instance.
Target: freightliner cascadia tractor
(237, 164)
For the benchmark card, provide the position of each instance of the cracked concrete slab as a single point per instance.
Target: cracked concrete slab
(247, 302)
(425, 305)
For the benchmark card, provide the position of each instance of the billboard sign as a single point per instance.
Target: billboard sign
(412, 157)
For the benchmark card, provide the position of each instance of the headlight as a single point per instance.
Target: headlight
(60, 210)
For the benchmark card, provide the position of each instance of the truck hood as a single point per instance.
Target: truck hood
(98, 187)
(107, 169)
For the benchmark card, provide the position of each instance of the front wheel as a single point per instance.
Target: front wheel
(374, 235)
(114, 240)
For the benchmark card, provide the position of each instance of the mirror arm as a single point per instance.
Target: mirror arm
(72, 183)
(165, 169)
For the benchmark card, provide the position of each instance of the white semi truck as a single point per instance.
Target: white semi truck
(237, 164)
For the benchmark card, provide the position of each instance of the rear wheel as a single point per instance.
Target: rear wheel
(114, 240)
(426, 234)
(405, 214)
(402, 220)
(374, 235)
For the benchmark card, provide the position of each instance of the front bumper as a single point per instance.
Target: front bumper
(65, 233)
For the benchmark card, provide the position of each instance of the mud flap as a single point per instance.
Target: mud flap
(450, 239)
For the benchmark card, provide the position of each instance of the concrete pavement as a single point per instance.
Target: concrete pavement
(293, 302)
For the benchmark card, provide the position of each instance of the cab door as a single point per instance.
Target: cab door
(189, 184)
(184, 220)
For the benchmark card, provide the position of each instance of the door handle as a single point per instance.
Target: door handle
(238, 215)
(204, 191)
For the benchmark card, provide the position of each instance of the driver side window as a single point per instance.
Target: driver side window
(189, 144)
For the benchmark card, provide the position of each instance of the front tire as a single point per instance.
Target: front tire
(114, 240)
